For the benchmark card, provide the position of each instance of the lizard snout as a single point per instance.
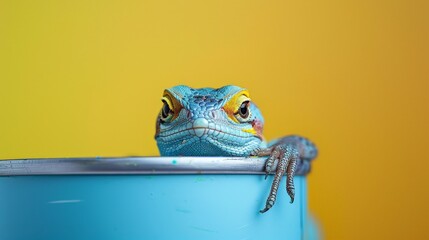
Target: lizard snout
(200, 125)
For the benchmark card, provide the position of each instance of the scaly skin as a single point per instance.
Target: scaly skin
(224, 122)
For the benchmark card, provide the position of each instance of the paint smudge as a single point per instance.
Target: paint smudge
(203, 229)
(65, 201)
(183, 210)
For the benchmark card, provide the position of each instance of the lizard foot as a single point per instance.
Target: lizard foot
(283, 159)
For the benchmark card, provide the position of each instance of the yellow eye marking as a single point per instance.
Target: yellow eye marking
(172, 103)
(232, 106)
(167, 100)
(250, 130)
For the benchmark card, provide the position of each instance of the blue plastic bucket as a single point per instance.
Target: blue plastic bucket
(145, 198)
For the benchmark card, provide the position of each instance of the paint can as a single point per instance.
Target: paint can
(145, 198)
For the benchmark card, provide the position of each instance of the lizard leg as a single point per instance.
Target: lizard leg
(283, 153)
(303, 167)
(293, 155)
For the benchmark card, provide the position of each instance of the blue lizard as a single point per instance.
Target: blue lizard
(225, 122)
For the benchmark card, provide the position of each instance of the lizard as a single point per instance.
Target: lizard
(225, 122)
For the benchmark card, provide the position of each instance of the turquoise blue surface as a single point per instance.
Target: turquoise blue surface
(147, 207)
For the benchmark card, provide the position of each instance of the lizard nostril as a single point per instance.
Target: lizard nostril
(212, 114)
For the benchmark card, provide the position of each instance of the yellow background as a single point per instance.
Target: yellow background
(84, 78)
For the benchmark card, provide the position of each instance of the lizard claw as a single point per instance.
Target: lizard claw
(286, 156)
(270, 164)
(291, 192)
(268, 205)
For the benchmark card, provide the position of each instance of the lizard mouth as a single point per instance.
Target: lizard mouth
(213, 132)
(200, 131)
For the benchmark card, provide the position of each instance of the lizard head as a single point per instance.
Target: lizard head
(208, 122)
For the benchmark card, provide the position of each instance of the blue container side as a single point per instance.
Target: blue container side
(148, 207)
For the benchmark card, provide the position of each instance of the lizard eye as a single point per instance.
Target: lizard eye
(238, 107)
(166, 112)
(244, 109)
(170, 109)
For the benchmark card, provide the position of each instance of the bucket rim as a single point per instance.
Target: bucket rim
(132, 165)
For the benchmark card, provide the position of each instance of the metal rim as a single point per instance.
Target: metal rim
(132, 165)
